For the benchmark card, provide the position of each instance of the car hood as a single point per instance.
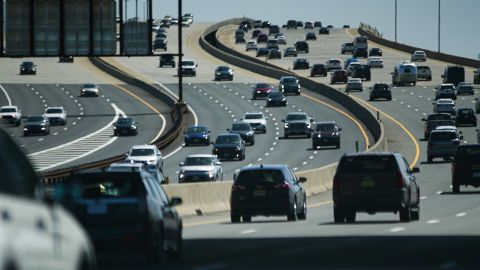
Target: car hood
(188, 66)
(250, 121)
(198, 168)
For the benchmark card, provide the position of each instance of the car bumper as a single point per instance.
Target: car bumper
(297, 132)
(371, 202)
(325, 141)
(199, 140)
(272, 207)
(124, 131)
(192, 177)
(442, 151)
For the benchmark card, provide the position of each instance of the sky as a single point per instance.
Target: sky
(417, 19)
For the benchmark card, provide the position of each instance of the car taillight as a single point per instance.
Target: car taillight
(399, 180)
(336, 182)
(283, 185)
(236, 187)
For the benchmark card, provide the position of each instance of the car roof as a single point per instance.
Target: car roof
(354, 80)
(228, 134)
(297, 113)
(263, 167)
(445, 101)
(445, 127)
(202, 155)
(288, 77)
(446, 84)
(127, 164)
(254, 113)
(325, 122)
(187, 59)
(371, 154)
(144, 146)
(444, 130)
(56, 107)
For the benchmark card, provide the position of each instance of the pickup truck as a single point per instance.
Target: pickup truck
(11, 115)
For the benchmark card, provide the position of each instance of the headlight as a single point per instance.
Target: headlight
(26, 129)
(283, 99)
(114, 127)
(258, 92)
(210, 174)
(319, 135)
(217, 73)
(134, 127)
(205, 136)
(308, 125)
(42, 128)
(269, 99)
(286, 125)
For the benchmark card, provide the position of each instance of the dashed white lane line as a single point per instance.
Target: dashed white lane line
(249, 231)
(433, 221)
(295, 168)
(397, 229)
(461, 214)
(423, 197)
(40, 140)
(304, 163)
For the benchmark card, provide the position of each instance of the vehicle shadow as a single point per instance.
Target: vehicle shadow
(436, 162)
(362, 222)
(460, 193)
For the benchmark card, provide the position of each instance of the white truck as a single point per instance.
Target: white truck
(11, 115)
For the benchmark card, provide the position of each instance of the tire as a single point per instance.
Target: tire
(337, 145)
(405, 214)
(303, 214)
(247, 218)
(338, 215)
(425, 136)
(415, 213)
(430, 159)
(155, 252)
(186, 144)
(314, 146)
(350, 216)
(234, 217)
(286, 136)
(293, 215)
(455, 188)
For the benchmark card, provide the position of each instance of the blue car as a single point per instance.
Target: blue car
(197, 135)
(349, 61)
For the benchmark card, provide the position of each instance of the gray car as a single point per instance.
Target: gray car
(443, 143)
(200, 168)
(297, 123)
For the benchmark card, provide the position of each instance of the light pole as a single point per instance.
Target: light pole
(180, 53)
(395, 21)
(136, 10)
(126, 10)
(439, 25)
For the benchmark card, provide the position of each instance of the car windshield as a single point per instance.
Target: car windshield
(253, 116)
(187, 63)
(107, 186)
(275, 95)
(88, 85)
(223, 68)
(325, 127)
(3, 110)
(141, 152)
(227, 139)
(291, 117)
(191, 130)
(241, 127)
(366, 165)
(54, 111)
(289, 80)
(125, 121)
(439, 117)
(250, 178)
(443, 136)
(263, 85)
(34, 119)
(334, 61)
(198, 161)
(27, 64)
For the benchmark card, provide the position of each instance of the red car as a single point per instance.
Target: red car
(261, 90)
(318, 70)
(338, 76)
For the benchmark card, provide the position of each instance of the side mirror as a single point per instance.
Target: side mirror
(302, 179)
(339, 129)
(283, 120)
(175, 201)
(415, 170)
(218, 163)
(461, 137)
(181, 164)
(423, 119)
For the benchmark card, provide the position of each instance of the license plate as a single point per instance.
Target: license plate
(259, 193)
(97, 209)
(367, 183)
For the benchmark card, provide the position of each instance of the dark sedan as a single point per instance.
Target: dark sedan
(324, 31)
(28, 68)
(223, 73)
(262, 52)
(197, 135)
(465, 116)
(301, 63)
(36, 125)
(245, 131)
(338, 76)
(375, 52)
(289, 84)
(262, 38)
(125, 126)
(276, 99)
(318, 70)
(326, 133)
(290, 51)
(311, 36)
(261, 90)
(229, 146)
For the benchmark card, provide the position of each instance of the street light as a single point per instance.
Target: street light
(395, 21)
(438, 25)
(180, 53)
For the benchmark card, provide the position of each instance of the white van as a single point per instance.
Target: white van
(404, 73)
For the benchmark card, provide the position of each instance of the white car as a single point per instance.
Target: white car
(36, 233)
(354, 84)
(251, 45)
(11, 115)
(419, 56)
(257, 120)
(281, 38)
(200, 168)
(189, 67)
(350, 67)
(89, 89)
(444, 105)
(375, 62)
(146, 154)
(56, 115)
(333, 64)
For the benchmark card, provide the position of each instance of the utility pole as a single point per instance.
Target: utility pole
(439, 25)
(180, 53)
(136, 10)
(395, 21)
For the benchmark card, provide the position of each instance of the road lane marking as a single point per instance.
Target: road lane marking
(9, 101)
(433, 221)
(397, 229)
(249, 231)
(461, 214)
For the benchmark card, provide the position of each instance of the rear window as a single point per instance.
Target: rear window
(443, 136)
(141, 152)
(468, 152)
(107, 185)
(362, 165)
(253, 177)
(3, 110)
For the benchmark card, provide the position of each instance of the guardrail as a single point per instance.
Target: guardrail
(373, 35)
(211, 197)
(167, 138)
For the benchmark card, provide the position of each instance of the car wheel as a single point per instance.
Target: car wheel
(415, 213)
(338, 215)
(405, 214)
(430, 159)
(115, 134)
(286, 136)
(176, 253)
(292, 216)
(456, 188)
(186, 144)
(350, 216)
(425, 136)
(337, 145)
(25, 134)
(303, 215)
(234, 217)
(155, 250)
(247, 218)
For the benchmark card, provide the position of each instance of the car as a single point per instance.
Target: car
(28, 68)
(262, 38)
(375, 52)
(37, 232)
(200, 168)
(127, 166)
(290, 51)
(354, 84)
(56, 116)
(333, 64)
(465, 167)
(240, 39)
(240, 32)
(347, 48)
(297, 123)
(251, 45)
(246, 24)
(308, 25)
(318, 70)
(261, 90)
(348, 61)
(375, 62)
(189, 67)
(146, 154)
(375, 182)
(65, 59)
(434, 120)
(360, 52)
(273, 29)
(274, 54)
(465, 116)
(160, 44)
(418, 56)
(346, 26)
(145, 218)
(311, 36)
(424, 73)
(223, 73)
(380, 90)
(165, 23)
(266, 24)
(301, 46)
(11, 115)
(89, 89)
(125, 126)
(189, 17)
(289, 85)
(444, 105)
(338, 76)
(267, 190)
(324, 31)
(196, 134)
(301, 63)
(349, 69)
(299, 24)
(317, 24)
(281, 38)
(36, 125)
(262, 52)
(326, 133)
(361, 71)
(476, 76)
(453, 74)
(162, 30)
(465, 88)
(445, 90)
(272, 44)
(229, 146)
(276, 99)
(255, 33)
(167, 60)
(291, 24)
(245, 130)
(257, 24)
(443, 143)
(257, 120)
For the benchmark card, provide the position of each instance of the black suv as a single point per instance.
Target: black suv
(324, 31)
(292, 24)
(125, 126)
(167, 60)
(36, 125)
(311, 36)
(267, 190)
(297, 123)
(326, 133)
(28, 68)
(434, 120)
(466, 167)
(375, 52)
(301, 63)
(245, 131)
(380, 90)
(362, 72)
(160, 44)
(375, 182)
(301, 46)
(289, 84)
(229, 146)
(360, 52)
(465, 116)
(133, 202)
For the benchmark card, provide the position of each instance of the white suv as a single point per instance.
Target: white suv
(333, 64)
(189, 67)
(419, 56)
(257, 120)
(146, 154)
(56, 115)
(251, 45)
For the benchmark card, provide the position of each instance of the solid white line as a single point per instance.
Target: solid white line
(249, 231)
(397, 229)
(6, 95)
